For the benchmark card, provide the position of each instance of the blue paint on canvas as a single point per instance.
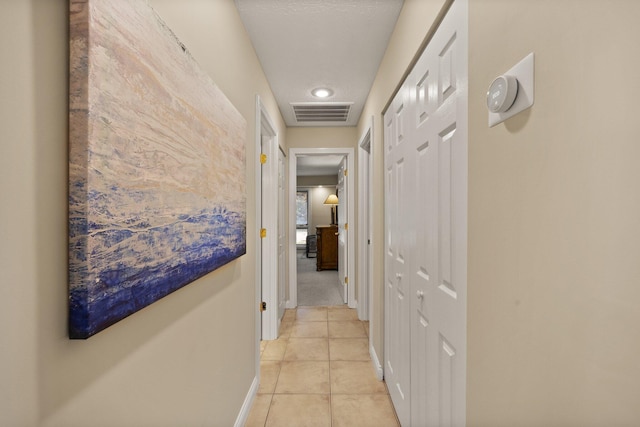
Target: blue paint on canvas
(140, 264)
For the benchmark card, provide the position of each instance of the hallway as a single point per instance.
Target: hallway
(319, 373)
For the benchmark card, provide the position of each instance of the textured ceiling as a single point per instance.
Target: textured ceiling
(305, 44)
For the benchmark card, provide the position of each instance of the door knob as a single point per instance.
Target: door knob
(420, 294)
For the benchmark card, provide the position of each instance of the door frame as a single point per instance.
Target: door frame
(292, 302)
(365, 222)
(282, 231)
(267, 322)
(343, 272)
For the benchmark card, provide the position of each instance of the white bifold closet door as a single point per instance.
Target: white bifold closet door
(426, 232)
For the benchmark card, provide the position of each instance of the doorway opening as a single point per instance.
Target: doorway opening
(342, 229)
(317, 231)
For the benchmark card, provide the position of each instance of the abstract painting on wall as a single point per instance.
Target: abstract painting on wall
(157, 189)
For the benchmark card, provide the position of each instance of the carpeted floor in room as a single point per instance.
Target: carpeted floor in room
(317, 288)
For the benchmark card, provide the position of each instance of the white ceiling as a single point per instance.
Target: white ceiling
(318, 165)
(306, 44)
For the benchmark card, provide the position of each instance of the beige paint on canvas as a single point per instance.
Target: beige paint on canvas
(157, 189)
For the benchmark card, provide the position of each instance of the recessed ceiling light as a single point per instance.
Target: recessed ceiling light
(322, 92)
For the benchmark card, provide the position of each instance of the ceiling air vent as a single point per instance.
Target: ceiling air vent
(306, 112)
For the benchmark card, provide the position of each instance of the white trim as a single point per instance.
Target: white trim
(258, 201)
(376, 363)
(293, 274)
(267, 272)
(351, 235)
(243, 415)
(282, 235)
(365, 217)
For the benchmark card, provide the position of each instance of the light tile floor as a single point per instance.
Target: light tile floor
(319, 373)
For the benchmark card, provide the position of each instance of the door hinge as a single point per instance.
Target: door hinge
(263, 306)
(346, 226)
(346, 172)
(263, 233)
(346, 280)
(263, 158)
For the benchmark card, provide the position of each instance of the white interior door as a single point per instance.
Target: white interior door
(267, 187)
(343, 207)
(269, 237)
(426, 150)
(398, 164)
(438, 315)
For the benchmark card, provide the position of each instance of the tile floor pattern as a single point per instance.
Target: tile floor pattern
(319, 373)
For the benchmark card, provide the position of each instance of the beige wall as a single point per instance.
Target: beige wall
(319, 187)
(411, 28)
(553, 218)
(554, 208)
(168, 364)
(317, 180)
(320, 214)
(554, 312)
(321, 137)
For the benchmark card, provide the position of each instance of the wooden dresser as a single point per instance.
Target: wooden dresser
(327, 241)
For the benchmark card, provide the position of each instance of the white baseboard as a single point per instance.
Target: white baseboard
(290, 304)
(376, 363)
(241, 420)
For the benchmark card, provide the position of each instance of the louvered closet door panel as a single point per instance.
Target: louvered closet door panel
(398, 164)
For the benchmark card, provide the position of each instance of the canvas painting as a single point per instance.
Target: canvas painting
(157, 193)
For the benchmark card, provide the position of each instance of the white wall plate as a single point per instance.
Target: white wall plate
(523, 71)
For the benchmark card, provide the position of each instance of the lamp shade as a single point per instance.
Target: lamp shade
(332, 199)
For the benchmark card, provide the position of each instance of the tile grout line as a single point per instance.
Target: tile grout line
(268, 410)
(327, 340)
(330, 388)
(277, 378)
